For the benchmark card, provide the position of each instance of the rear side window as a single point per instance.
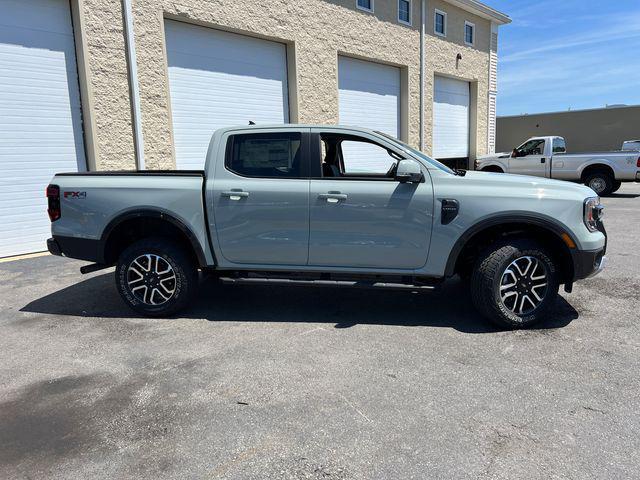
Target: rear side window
(266, 155)
(559, 145)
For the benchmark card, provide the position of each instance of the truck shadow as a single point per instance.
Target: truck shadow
(624, 195)
(449, 306)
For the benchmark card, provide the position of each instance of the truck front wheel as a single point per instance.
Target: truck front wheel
(514, 284)
(156, 277)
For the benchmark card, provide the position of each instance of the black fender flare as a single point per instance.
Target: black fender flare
(156, 213)
(538, 220)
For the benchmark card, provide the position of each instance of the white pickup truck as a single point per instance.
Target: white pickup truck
(546, 157)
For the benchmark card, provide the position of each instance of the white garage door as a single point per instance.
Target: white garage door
(219, 79)
(369, 96)
(40, 118)
(450, 118)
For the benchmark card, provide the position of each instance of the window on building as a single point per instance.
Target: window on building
(404, 11)
(266, 155)
(469, 33)
(440, 23)
(365, 5)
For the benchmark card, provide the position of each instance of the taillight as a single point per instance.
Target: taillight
(53, 197)
(638, 163)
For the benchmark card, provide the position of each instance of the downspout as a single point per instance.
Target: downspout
(133, 84)
(423, 20)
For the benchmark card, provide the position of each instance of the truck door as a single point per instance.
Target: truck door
(261, 197)
(530, 159)
(360, 216)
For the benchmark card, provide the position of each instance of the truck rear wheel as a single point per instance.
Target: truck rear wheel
(156, 277)
(600, 182)
(514, 284)
(616, 186)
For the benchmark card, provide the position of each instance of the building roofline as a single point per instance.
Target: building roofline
(482, 10)
(613, 107)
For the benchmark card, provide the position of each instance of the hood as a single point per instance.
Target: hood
(528, 185)
(494, 155)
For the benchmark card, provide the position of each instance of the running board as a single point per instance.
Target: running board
(325, 283)
(94, 267)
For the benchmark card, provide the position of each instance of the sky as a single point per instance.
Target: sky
(561, 54)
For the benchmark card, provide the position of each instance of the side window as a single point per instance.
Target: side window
(533, 147)
(559, 145)
(365, 158)
(266, 155)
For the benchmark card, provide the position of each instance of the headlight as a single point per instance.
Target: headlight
(593, 213)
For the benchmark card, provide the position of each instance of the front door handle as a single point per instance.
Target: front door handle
(332, 197)
(235, 195)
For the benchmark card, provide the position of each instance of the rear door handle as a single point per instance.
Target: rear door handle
(235, 195)
(332, 197)
(542, 160)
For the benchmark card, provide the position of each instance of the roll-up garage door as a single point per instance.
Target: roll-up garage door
(450, 118)
(369, 96)
(220, 79)
(40, 117)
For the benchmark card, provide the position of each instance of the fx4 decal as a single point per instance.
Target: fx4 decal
(75, 195)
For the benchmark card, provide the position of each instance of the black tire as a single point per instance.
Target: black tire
(616, 186)
(156, 294)
(488, 284)
(600, 182)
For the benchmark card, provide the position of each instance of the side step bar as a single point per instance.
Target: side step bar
(94, 267)
(325, 283)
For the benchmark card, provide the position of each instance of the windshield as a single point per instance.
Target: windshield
(417, 153)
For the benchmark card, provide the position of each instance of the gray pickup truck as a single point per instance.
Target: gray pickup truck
(329, 206)
(547, 157)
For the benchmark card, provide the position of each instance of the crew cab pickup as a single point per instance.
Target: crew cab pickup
(339, 206)
(546, 157)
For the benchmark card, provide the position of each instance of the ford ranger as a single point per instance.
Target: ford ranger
(322, 205)
(604, 172)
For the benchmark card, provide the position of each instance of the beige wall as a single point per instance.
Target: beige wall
(586, 130)
(316, 31)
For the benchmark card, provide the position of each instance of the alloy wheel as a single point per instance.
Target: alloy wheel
(523, 286)
(598, 184)
(151, 279)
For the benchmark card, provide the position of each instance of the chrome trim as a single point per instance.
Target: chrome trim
(600, 266)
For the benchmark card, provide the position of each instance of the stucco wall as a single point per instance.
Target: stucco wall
(316, 32)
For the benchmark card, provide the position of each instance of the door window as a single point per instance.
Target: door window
(351, 156)
(265, 155)
(532, 147)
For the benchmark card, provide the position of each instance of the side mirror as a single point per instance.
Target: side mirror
(409, 171)
(514, 154)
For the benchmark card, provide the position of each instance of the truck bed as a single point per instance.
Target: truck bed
(93, 203)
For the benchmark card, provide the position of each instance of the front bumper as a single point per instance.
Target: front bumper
(588, 263)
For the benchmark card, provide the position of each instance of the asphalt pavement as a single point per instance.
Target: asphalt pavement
(257, 382)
